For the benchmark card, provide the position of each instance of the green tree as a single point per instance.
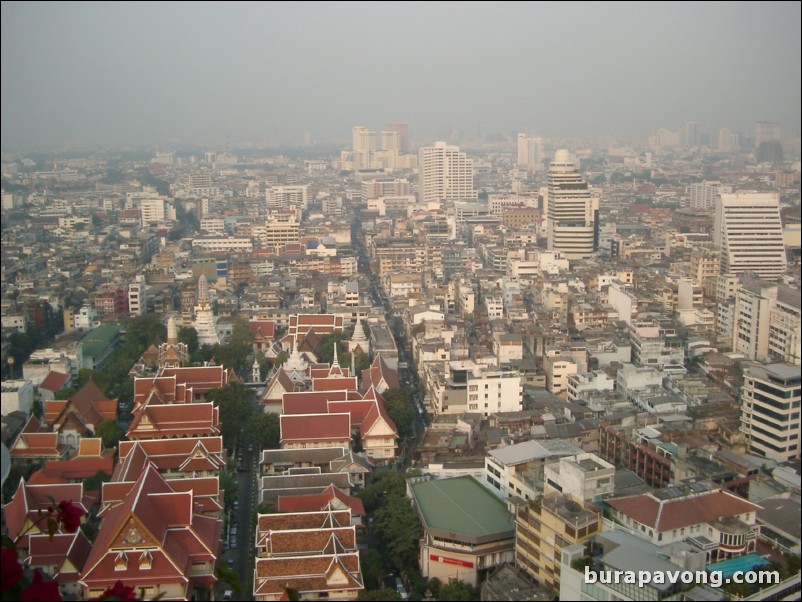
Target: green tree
(94, 483)
(325, 348)
(397, 528)
(372, 568)
(110, 432)
(189, 336)
(362, 363)
(65, 393)
(230, 488)
(263, 431)
(378, 594)
(389, 483)
(236, 408)
(396, 402)
(458, 590)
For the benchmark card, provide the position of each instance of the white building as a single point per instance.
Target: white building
(770, 403)
(571, 211)
(530, 153)
(748, 232)
(584, 477)
(766, 321)
(137, 297)
(469, 387)
(519, 469)
(595, 381)
(444, 172)
(16, 396)
(283, 197)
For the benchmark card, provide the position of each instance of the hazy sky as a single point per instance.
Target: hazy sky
(152, 73)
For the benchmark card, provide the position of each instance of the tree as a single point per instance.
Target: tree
(457, 590)
(372, 568)
(230, 488)
(398, 532)
(234, 401)
(378, 594)
(110, 432)
(396, 402)
(189, 336)
(263, 431)
(94, 483)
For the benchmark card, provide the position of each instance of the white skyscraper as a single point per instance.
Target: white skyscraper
(445, 172)
(770, 410)
(571, 210)
(748, 232)
(530, 153)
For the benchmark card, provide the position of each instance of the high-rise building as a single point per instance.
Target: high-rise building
(137, 296)
(765, 321)
(372, 150)
(728, 140)
(571, 211)
(770, 410)
(766, 131)
(690, 134)
(402, 129)
(530, 153)
(748, 232)
(703, 195)
(445, 173)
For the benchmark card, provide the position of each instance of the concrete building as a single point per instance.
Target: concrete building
(765, 321)
(547, 525)
(445, 173)
(571, 211)
(17, 396)
(467, 531)
(748, 232)
(530, 153)
(770, 403)
(584, 478)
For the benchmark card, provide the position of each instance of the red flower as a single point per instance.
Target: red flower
(119, 592)
(11, 569)
(69, 515)
(39, 590)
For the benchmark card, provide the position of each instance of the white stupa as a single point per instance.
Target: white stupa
(205, 322)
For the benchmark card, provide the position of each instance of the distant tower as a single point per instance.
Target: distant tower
(572, 212)
(766, 131)
(530, 153)
(748, 232)
(205, 322)
(359, 342)
(403, 134)
(255, 372)
(445, 173)
(173, 354)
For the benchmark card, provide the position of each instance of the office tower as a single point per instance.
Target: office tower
(363, 143)
(728, 140)
(445, 172)
(284, 197)
(765, 323)
(770, 410)
(690, 134)
(704, 194)
(530, 153)
(402, 129)
(748, 233)
(766, 131)
(571, 211)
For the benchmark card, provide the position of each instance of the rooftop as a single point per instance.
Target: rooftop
(462, 508)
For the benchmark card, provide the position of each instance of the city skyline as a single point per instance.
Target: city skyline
(96, 74)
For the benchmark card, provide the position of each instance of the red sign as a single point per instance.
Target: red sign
(447, 560)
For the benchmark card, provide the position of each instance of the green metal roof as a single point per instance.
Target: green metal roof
(96, 341)
(462, 506)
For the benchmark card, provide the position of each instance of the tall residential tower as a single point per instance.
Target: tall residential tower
(571, 211)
